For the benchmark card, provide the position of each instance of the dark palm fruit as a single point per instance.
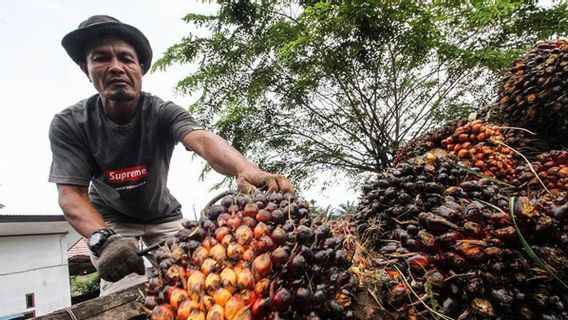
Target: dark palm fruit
(463, 230)
(302, 298)
(532, 94)
(282, 299)
(298, 265)
(245, 261)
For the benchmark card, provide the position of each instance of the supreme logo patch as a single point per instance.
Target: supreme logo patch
(127, 174)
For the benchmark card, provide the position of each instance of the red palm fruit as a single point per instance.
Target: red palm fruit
(177, 297)
(281, 299)
(229, 279)
(260, 230)
(264, 244)
(196, 315)
(183, 310)
(243, 314)
(244, 235)
(226, 240)
(221, 296)
(250, 210)
(150, 302)
(234, 221)
(196, 283)
(162, 312)
(208, 266)
(262, 265)
(233, 306)
(207, 302)
(419, 261)
(199, 255)
(250, 222)
(261, 308)
(280, 256)
(249, 254)
(235, 251)
(222, 219)
(208, 243)
(215, 313)
(249, 297)
(262, 287)
(212, 283)
(279, 236)
(221, 232)
(263, 216)
(245, 279)
(218, 253)
(271, 206)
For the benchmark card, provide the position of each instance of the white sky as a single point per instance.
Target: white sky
(38, 79)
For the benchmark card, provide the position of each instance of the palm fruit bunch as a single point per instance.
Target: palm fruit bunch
(482, 146)
(426, 142)
(552, 170)
(263, 256)
(447, 247)
(534, 92)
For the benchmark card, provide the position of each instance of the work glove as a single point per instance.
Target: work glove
(119, 258)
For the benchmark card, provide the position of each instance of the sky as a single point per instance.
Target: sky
(38, 79)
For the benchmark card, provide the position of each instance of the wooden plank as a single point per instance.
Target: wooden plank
(120, 305)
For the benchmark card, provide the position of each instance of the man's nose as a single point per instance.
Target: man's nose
(116, 65)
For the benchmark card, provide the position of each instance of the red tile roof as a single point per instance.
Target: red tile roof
(79, 250)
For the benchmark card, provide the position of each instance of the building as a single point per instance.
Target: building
(34, 271)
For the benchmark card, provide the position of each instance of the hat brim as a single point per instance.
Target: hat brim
(74, 42)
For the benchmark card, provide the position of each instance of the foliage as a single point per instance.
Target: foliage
(84, 284)
(319, 86)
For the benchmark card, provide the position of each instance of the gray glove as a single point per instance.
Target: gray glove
(119, 258)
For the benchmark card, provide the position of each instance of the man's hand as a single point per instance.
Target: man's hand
(228, 161)
(119, 258)
(251, 179)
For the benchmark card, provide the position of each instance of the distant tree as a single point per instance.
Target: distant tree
(336, 87)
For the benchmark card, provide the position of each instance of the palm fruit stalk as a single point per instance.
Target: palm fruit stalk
(265, 256)
(449, 247)
(534, 92)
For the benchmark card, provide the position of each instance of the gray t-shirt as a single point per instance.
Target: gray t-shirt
(126, 166)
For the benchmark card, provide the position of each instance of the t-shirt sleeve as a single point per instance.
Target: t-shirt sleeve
(178, 121)
(70, 162)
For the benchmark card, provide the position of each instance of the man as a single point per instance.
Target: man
(111, 152)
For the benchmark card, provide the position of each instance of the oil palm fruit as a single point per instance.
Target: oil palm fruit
(534, 91)
(482, 146)
(552, 169)
(446, 244)
(265, 256)
(426, 142)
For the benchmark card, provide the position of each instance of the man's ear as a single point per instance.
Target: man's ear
(83, 67)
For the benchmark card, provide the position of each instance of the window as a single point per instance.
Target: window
(30, 300)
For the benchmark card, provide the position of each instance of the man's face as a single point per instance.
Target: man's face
(114, 69)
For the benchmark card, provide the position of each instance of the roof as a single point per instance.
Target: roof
(8, 217)
(25, 224)
(79, 249)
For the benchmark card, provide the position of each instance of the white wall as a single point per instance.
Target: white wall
(34, 264)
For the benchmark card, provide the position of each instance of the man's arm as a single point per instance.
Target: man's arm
(78, 209)
(225, 159)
